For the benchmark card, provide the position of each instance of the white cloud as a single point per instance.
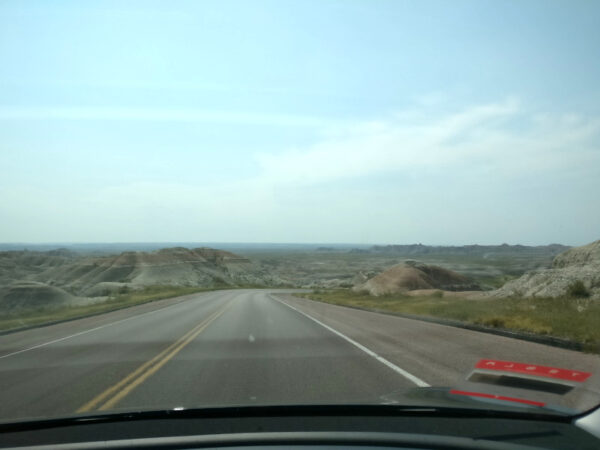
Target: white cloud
(488, 174)
(499, 134)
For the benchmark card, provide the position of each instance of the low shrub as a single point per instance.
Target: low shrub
(578, 290)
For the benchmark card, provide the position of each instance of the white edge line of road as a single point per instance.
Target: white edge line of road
(44, 344)
(381, 359)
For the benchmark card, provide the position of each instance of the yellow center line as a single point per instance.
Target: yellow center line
(92, 403)
(138, 376)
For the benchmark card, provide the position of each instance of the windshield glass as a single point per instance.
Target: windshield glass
(206, 204)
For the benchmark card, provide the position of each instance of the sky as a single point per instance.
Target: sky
(370, 122)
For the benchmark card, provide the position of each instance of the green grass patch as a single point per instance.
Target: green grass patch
(576, 319)
(125, 299)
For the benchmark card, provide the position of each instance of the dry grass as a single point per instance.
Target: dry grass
(568, 318)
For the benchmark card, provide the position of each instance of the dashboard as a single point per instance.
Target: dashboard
(303, 427)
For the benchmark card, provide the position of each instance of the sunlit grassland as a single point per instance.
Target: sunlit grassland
(574, 319)
(41, 316)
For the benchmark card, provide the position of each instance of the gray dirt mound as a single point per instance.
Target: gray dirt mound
(177, 266)
(22, 265)
(88, 276)
(413, 276)
(29, 295)
(580, 264)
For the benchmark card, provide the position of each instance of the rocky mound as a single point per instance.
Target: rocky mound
(19, 265)
(60, 273)
(177, 266)
(579, 256)
(29, 295)
(577, 265)
(413, 275)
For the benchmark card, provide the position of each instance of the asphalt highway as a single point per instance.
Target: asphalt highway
(245, 347)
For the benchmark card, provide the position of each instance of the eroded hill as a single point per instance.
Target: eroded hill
(171, 266)
(573, 272)
(61, 277)
(411, 276)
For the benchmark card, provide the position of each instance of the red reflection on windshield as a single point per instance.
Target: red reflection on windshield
(497, 397)
(533, 369)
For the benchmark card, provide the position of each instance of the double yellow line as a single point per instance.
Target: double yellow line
(111, 396)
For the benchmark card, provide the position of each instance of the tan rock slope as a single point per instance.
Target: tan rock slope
(413, 275)
(579, 264)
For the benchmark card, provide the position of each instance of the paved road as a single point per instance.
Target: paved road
(246, 347)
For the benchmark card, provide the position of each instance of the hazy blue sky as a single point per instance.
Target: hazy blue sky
(441, 122)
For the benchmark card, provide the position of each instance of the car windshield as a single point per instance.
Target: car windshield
(248, 203)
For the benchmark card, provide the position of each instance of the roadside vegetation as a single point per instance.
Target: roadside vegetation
(125, 299)
(573, 317)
